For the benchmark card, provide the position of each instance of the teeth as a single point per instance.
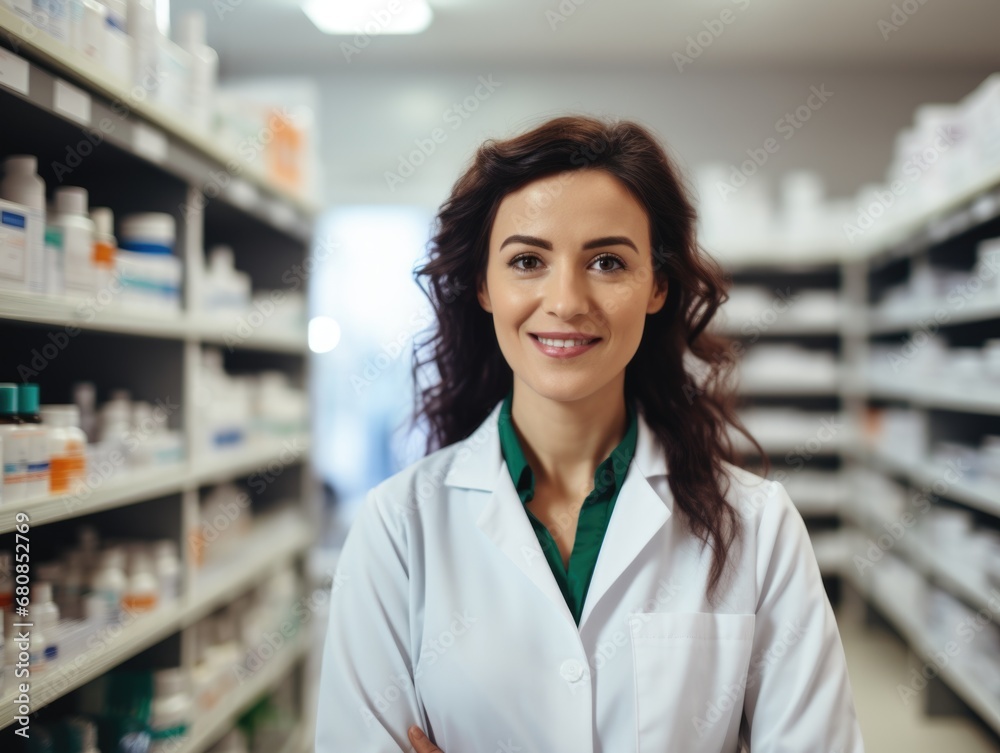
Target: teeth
(562, 343)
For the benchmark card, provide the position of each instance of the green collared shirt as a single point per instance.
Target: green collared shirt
(594, 515)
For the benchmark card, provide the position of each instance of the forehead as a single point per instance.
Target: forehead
(571, 204)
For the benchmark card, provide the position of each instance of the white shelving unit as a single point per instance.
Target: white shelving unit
(943, 237)
(810, 464)
(906, 621)
(149, 159)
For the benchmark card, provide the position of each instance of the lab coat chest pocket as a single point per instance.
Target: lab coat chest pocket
(690, 678)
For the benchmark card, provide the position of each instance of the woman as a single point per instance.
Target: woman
(578, 565)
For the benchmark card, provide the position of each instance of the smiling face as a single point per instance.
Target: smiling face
(569, 282)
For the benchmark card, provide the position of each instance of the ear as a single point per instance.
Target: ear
(484, 296)
(658, 297)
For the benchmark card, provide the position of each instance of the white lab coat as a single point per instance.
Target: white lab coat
(444, 613)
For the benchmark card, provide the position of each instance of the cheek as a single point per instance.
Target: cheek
(510, 304)
(626, 313)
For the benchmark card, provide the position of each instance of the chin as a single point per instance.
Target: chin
(562, 388)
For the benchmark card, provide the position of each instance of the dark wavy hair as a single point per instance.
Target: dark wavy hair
(689, 412)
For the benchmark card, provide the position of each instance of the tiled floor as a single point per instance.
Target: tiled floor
(877, 660)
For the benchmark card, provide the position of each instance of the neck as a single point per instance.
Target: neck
(564, 442)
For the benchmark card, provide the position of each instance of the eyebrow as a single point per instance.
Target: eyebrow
(611, 240)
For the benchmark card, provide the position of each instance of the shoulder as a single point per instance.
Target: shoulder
(759, 501)
(418, 484)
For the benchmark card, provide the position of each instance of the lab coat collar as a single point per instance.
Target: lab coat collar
(639, 512)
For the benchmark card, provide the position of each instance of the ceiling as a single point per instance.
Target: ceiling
(259, 37)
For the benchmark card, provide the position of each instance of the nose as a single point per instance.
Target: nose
(567, 295)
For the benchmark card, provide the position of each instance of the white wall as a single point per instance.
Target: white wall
(368, 121)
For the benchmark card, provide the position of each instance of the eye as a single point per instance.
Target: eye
(610, 258)
(523, 257)
(516, 261)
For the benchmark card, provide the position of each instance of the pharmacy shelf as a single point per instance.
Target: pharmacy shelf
(144, 485)
(780, 255)
(956, 578)
(217, 331)
(51, 89)
(817, 501)
(119, 642)
(978, 494)
(832, 550)
(88, 315)
(922, 314)
(790, 445)
(782, 326)
(968, 688)
(943, 394)
(211, 726)
(788, 385)
(965, 208)
(283, 537)
(71, 63)
(925, 557)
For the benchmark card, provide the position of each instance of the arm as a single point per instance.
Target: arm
(798, 694)
(367, 698)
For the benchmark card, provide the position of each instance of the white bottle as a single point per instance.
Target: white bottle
(23, 185)
(145, 51)
(84, 734)
(172, 711)
(109, 583)
(74, 22)
(93, 30)
(204, 69)
(77, 239)
(37, 469)
(85, 398)
(67, 448)
(51, 573)
(168, 570)
(16, 447)
(90, 551)
(37, 645)
(115, 425)
(225, 653)
(73, 585)
(142, 591)
(45, 615)
(54, 260)
(54, 18)
(104, 247)
(226, 290)
(118, 46)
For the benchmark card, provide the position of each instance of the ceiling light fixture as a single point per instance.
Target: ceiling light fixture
(369, 16)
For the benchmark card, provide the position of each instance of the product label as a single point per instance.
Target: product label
(13, 219)
(149, 142)
(78, 264)
(65, 471)
(37, 468)
(72, 102)
(15, 464)
(13, 246)
(14, 70)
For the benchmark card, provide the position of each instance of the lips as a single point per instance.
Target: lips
(567, 341)
(566, 348)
